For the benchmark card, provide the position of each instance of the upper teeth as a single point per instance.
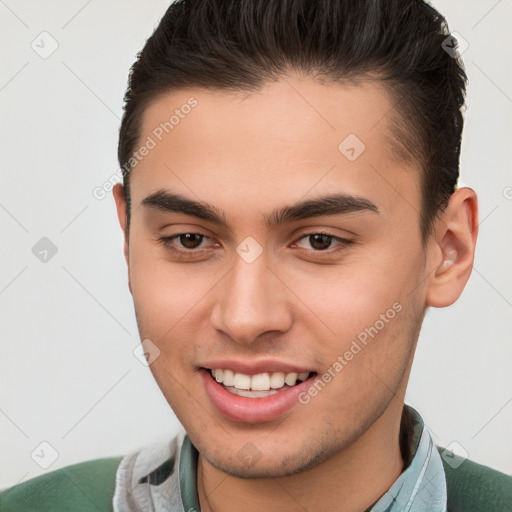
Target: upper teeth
(258, 382)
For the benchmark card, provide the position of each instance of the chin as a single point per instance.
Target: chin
(252, 464)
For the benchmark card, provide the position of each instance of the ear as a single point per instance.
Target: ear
(454, 241)
(120, 200)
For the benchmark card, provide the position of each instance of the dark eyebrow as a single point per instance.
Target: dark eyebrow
(330, 204)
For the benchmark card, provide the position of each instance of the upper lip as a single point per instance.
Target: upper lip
(255, 367)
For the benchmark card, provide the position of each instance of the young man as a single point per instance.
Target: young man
(290, 210)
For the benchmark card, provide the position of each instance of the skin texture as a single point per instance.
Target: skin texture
(248, 154)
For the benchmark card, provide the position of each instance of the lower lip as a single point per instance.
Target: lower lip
(252, 410)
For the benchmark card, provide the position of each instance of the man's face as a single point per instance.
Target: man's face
(305, 302)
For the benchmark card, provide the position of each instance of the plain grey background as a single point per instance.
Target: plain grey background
(69, 377)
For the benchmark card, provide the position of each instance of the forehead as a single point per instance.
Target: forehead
(291, 136)
(288, 111)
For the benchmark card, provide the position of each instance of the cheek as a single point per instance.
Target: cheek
(365, 318)
(163, 293)
(338, 302)
(368, 361)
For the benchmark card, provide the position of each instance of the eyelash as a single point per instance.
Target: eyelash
(167, 240)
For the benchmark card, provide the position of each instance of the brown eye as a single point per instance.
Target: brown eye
(185, 244)
(190, 240)
(320, 242)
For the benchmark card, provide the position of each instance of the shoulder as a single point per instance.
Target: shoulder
(86, 486)
(472, 486)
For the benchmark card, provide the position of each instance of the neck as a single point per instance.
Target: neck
(349, 481)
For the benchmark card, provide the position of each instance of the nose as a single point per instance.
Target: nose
(251, 301)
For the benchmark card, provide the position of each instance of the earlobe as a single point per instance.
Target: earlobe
(455, 240)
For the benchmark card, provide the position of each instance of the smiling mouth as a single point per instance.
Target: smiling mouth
(259, 385)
